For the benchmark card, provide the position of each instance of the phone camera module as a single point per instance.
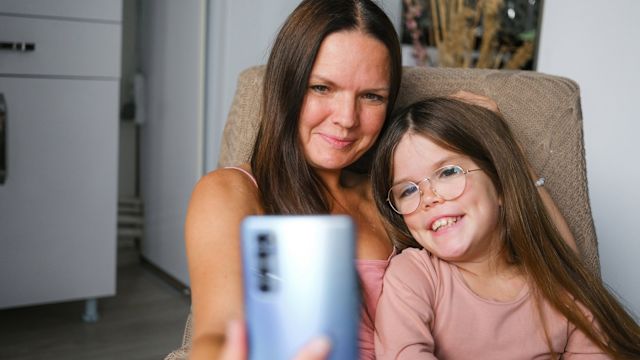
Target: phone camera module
(265, 256)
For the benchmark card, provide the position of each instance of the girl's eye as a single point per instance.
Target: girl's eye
(408, 190)
(449, 172)
(320, 88)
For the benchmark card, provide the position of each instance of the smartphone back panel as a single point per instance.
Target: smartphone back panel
(300, 282)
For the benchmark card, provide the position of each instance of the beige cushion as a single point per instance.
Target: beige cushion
(543, 111)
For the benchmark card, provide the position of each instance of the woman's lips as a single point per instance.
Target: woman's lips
(336, 142)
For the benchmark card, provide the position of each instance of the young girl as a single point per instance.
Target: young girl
(486, 274)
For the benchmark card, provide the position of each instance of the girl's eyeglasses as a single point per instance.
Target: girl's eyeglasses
(448, 182)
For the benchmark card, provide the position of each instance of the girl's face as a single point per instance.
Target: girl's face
(346, 100)
(461, 230)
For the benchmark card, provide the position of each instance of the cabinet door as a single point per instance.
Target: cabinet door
(58, 203)
(61, 48)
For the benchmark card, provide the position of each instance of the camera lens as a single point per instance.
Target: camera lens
(263, 238)
(264, 287)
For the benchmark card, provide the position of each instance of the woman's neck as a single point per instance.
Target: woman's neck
(331, 179)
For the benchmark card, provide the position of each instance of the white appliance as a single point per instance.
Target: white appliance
(59, 88)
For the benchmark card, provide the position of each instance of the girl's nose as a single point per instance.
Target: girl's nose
(429, 197)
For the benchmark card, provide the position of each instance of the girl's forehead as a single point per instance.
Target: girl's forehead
(419, 148)
(416, 155)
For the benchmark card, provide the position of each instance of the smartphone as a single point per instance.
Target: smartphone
(300, 282)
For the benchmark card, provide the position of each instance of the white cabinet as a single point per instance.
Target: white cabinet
(92, 10)
(58, 203)
(61, 48)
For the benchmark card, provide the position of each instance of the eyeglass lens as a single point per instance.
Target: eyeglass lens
(447, 183)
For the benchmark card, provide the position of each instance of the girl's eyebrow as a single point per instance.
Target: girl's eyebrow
(447, 160)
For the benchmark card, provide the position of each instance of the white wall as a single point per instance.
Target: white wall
(240, 35)
(172, 60)
(596, 43)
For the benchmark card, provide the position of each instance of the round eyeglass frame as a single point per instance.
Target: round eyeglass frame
(428, 178)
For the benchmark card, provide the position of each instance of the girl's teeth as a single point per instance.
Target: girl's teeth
(440, 223)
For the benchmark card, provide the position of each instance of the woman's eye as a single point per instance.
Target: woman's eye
(373, 97)
(320, 88)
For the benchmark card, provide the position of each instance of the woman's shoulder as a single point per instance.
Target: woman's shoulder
(232, 185)
(228, 178)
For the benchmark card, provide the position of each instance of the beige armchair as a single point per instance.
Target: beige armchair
(543, 111)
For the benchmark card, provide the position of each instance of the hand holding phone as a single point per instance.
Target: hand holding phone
(300, 283)
(235, 346)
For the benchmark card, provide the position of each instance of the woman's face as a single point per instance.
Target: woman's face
(462, 230)
(346, 100)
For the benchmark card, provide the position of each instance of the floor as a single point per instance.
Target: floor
(143, 321)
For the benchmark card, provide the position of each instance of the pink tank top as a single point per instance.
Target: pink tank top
(371, 273)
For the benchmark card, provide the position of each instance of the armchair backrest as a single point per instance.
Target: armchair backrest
(543, 111)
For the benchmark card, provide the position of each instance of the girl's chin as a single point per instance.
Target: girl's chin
(445, 251)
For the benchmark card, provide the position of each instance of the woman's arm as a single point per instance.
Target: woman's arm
(218, 204)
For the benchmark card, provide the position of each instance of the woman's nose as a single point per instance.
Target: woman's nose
(346, 111)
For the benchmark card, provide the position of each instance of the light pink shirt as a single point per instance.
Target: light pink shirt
(426, 311)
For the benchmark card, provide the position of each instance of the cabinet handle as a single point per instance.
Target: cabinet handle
(17, 46)
(3, 140)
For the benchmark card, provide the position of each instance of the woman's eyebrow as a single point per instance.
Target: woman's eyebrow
(325, 80)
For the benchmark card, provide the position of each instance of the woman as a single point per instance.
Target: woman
(488, 275)
(331, 81)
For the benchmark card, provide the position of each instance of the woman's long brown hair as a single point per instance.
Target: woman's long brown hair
(286, 182)
(531, 240)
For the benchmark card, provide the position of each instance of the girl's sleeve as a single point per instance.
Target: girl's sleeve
(404, 314)
(580, 347)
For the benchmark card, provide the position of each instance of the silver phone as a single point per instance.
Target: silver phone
(300, 282)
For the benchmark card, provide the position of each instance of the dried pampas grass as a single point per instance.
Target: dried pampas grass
(453, 31)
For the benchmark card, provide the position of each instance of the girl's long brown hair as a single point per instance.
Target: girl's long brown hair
(531, 240)
(286, 182)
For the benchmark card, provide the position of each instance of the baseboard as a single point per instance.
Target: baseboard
(179, 285)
